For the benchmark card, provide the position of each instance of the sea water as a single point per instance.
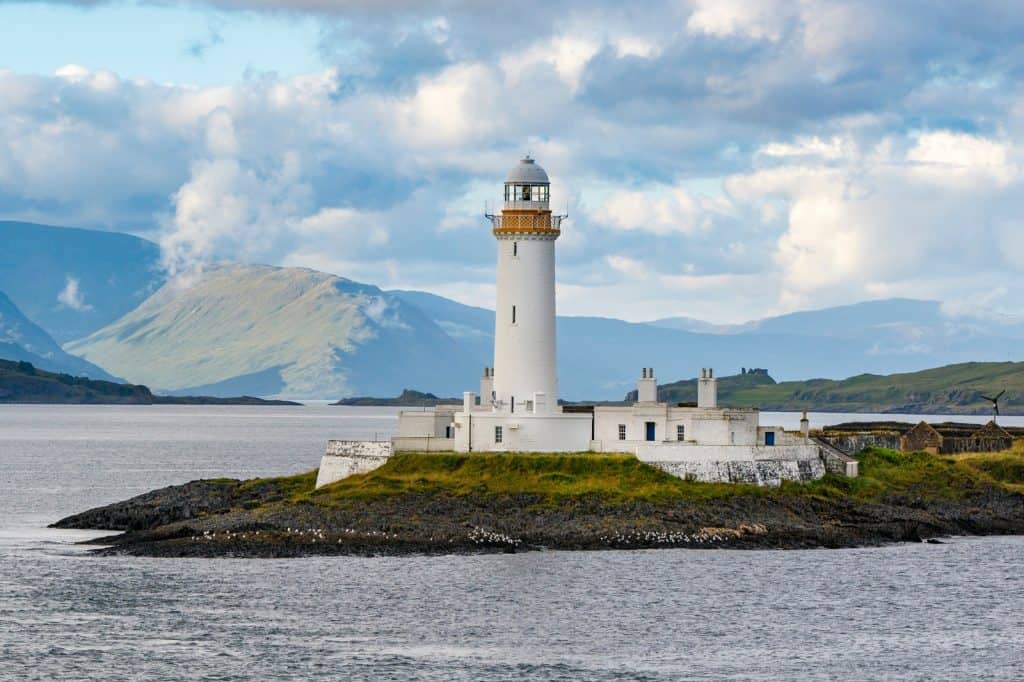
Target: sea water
(917, 611)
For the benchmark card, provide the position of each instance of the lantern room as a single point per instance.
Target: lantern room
(527, 186)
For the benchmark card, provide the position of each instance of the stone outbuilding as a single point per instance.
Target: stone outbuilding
(923, 437)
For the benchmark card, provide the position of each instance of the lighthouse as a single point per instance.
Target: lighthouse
(517, 409)
(525, 369)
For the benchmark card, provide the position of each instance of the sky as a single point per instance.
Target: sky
(719, 159)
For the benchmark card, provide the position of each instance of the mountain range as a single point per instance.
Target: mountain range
(293, 332)
(23, 340)
(71, 282)
(261, 330)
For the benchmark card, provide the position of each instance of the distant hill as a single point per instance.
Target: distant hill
(21, 382)
(600, 358)
(954, 389)
(265, 336)
(293, 332)
(408, 398)
(71, 282)
(21, 339)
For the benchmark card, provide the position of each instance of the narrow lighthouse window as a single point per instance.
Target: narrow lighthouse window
(513, 314)
(515, 248)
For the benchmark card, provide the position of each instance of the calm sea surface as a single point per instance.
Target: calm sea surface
(951, 611)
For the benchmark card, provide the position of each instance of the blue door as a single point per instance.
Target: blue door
(769, 438)
(650, 430)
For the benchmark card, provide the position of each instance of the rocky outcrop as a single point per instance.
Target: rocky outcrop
(265, 519)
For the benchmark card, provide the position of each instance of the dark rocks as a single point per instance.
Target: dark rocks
(230, 518)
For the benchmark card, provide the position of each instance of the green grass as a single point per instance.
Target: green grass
(621, 478)
(283, 487)
(1006, 467)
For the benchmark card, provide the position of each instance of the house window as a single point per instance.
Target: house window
(497, 434)
(622, 432)
(513, 314)
(680, 432)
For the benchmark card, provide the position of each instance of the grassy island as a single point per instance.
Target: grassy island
(443, 503)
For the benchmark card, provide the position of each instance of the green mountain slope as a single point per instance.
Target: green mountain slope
(262, 330)
(954, 389)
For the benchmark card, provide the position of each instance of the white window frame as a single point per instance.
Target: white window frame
(622, 432)
(499, 434)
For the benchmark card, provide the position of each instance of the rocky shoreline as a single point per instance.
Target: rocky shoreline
(276, 518)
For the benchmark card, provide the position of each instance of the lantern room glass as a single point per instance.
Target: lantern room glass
(515, 192)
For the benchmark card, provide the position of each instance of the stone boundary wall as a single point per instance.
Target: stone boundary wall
(853, 443)
(344, 458)
(836, 461)
(763, 472)
(954, 446)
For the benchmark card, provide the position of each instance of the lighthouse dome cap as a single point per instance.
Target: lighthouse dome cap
(527, 172)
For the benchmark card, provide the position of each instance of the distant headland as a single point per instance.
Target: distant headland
(952, 389)
(22, 382)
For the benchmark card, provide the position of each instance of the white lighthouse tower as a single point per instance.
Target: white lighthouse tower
(525, 371)
(518, 407)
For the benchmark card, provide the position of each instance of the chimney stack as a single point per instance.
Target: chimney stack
(487, 387)
(646, 386)
(707, 389)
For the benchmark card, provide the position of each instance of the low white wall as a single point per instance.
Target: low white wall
(422, 444)
(764, 472)
(344, 458)
(672, 452)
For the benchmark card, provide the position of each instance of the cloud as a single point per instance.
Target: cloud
(71, 296)
(724, 158)
(660, 211)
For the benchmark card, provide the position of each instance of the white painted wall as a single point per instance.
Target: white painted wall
(524, 351)
(344, 458)
(667, 452)
(553, 432)
(764, 473)
(422, 444)
(717, 426)
(421, 423)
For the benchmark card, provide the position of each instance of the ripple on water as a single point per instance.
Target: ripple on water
(913, 611)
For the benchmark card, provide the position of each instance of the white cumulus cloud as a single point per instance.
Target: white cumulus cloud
(71, 296)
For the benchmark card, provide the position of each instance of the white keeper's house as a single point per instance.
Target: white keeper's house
(517, 408)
